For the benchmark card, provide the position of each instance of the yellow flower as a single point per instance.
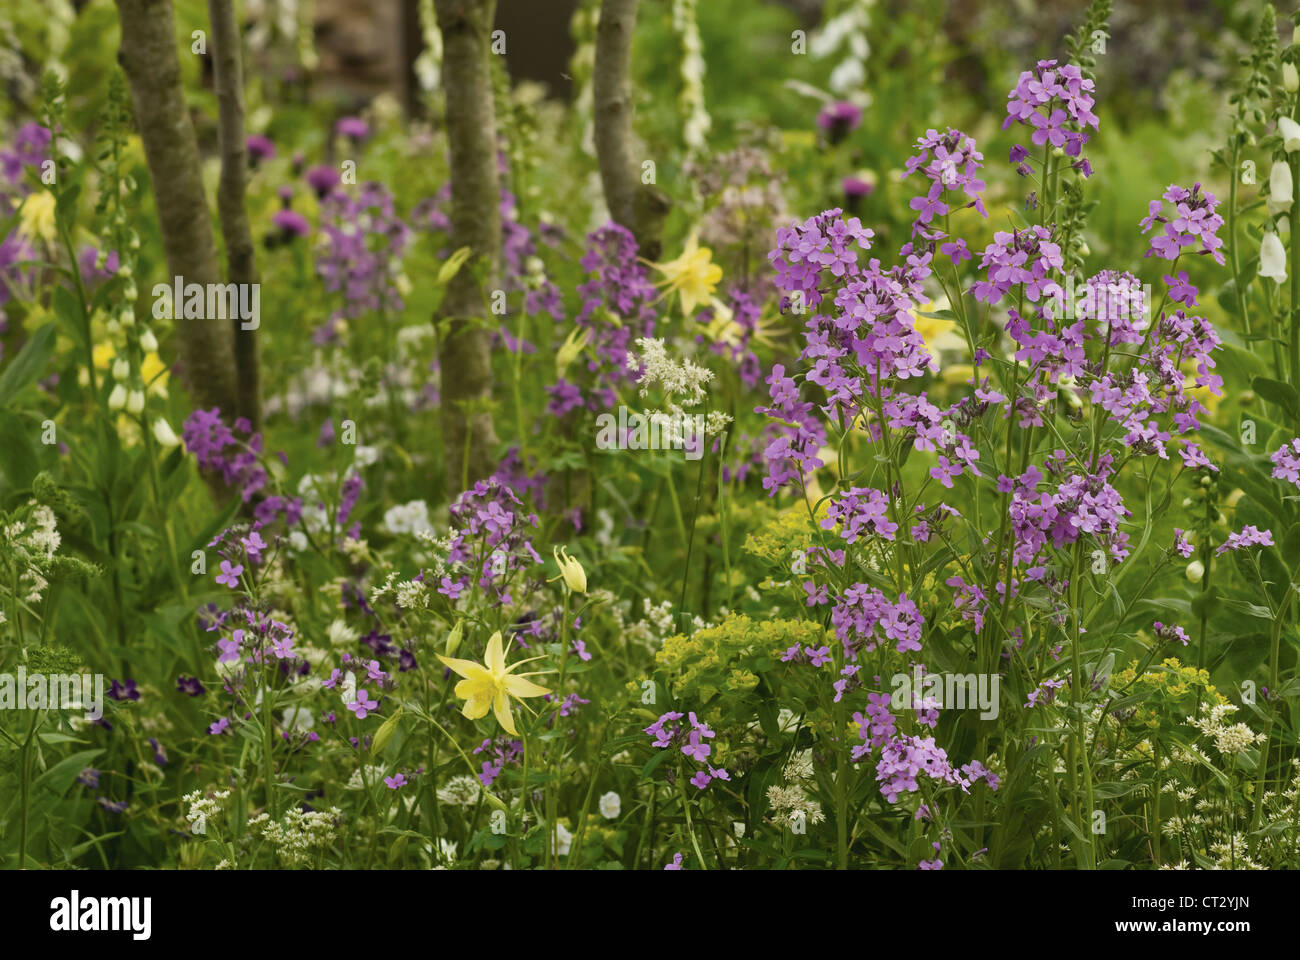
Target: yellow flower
(575, 578)
(693, 274)
(36, 219)
(490, 685)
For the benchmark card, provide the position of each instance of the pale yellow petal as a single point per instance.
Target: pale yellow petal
(495, 657)
(476, 708)
(521, 687)
(466, 668)
(502, 707)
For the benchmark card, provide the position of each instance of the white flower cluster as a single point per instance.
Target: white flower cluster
(1229, 739)
(299, 834)
(697, 122)
(32, 543)
(790, 805)
(685, 380)
(460, 791)
(202, 809)
(846, 31)
(412, 517)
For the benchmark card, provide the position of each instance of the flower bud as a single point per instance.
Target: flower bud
(121, 369)
(135, 402)
(117, 399)
(1272, 258)
(148, 342)
(575, 578)
(163, 433)
(1290, 80)
(1195, 571)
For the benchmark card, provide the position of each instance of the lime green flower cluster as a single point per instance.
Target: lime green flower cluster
(729, 658)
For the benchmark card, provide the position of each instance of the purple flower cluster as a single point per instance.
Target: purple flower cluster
(859, 511)
(1193, 220)
(502, 751)
(1248, 536)
(365, 242)
(491, 541)
(1286, 462)
(863, 608)
(668, 733)
(1056, 101)
(950, 162)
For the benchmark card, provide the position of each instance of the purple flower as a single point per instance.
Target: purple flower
(259, 148)
(352, 127)
(229, 575)
(393, 783)
(190, 686)
(1248, 536)
(676, 863)
(322, 179)
(219, 727)
(291, 224)
(120, 692)
(363, 706)
(839, 119)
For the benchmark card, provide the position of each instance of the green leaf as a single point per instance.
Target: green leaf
(1279, 394)
(27, 367)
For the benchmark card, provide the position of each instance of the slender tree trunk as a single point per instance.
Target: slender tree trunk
(241, 266)
(148, 56)
(464, 351)
(640, 207)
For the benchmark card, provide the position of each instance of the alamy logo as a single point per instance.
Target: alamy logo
(655, 431)
(213, 301)
(54, 691)
(74, 913)
(955, 691)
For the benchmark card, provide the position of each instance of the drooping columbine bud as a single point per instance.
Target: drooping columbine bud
(575, 578)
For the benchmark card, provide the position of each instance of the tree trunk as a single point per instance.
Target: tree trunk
(241, 267)
(148, 56)
(640, 207)
(464, 350)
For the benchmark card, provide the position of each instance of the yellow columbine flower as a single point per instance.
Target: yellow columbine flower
(694, 275)
(490, 685)
(571, 570)
(36, 218)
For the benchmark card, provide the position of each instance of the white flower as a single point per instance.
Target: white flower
(135, 402)
(348, 691)
(1272, 258)
(340, 634)
(611, 805)
(563, 839)
(410, 517)
(1290, 79)
(1279, 188)
(148, 342)
(364, 455)
(117, 399)
(121, 368)
(1290, 133)
(164, 434)
(1195, 570)
(297, 718)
